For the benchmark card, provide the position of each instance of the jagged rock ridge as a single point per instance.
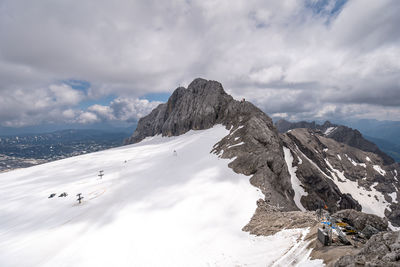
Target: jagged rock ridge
(342, 176)
(383, 249)
(340, 133)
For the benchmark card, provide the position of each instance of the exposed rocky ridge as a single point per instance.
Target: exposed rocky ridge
(328, 170)
(268, 220)
(383, 249)
(253, 141)
(313, 174)
(202, 105)
(360, 220)
(340, 133)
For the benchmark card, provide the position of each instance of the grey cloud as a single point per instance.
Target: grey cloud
(280, 54)
(18, 107)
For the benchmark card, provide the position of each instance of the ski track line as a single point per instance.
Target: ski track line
(290, 257)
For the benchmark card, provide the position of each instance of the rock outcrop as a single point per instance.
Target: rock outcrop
(340, 133)
(202, 105)
(341, 176)
(360, 220)
(313, 172)
(268, 220)
(383, 249)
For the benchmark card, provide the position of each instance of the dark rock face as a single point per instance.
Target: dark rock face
(354, 138)
(253, 140)
(369, 231)
(200, 106)
(361, 220)
(314, 174)
(340, 133)
(324, 164)
(283, 125)
(383, 249)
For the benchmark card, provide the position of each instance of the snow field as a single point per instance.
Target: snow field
(155, 209)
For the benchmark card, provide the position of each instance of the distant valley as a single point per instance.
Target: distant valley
(390, 148)
(20, 151)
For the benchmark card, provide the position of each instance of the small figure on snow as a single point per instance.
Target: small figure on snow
(101, 174)
(52, 195)
(175, 153)
(63, 194)
(79, 198)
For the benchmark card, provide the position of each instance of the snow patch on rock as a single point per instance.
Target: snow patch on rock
(379, 170)
(365, 197)
(296, 183)
(394, 197)
(392, 227)
(239, 144)
(354, 162)
(329, 130)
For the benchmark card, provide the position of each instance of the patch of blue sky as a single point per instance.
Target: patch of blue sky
(326, 7)
(80, 85)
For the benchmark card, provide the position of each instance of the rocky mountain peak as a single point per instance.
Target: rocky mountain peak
(328, 124)
(200, 106)
(253, 141)
(202, 86)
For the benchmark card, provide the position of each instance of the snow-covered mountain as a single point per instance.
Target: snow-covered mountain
(197, 170)
(166, 201)
(274, 160)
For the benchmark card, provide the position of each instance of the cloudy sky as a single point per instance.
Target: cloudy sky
(95, 61)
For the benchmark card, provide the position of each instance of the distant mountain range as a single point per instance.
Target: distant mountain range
(382, 138)
(385, 130)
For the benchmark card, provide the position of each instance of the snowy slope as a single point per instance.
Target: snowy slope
(151, 208)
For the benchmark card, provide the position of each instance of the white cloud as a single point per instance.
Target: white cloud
(283, 55)
(123, 109)
(87, 117)
(267, 75)
(50, 104)
(65, 95)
